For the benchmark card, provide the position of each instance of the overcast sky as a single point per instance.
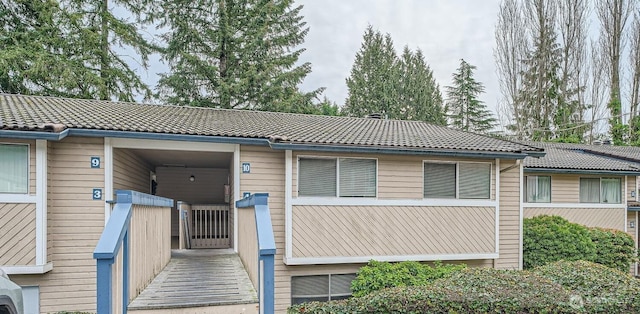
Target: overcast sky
(445, 30)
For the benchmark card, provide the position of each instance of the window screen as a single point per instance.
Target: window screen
(321, 288)
(589, 190)
(357, 177)
(14, 168)
(317, 177)
(475, 180)
(439, 180)
(537, 189)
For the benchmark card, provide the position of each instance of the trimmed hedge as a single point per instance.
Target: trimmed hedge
(548, 239)
(477, 290)
(600, 288)
(614, 248)
(379, 275)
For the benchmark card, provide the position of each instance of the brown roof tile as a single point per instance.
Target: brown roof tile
(18, 112)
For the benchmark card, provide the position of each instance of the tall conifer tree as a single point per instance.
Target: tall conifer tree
(466, 111)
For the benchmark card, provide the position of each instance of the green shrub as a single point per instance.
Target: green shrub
(549, 239)
(379, 275)
(477, 290)
(602, 289)
(614, 248)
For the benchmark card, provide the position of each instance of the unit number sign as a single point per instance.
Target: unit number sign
(95, 162)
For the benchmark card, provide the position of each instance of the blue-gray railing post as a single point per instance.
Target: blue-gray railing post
(125, 272)
(266, 249)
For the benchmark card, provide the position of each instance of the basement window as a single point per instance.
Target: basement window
(14, 168)
(341, 177)
(321, 288)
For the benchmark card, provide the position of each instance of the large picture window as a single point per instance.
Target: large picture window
(14, 168)
(457, 180)
(600, 190)
(320, 288)
(537, 189)
(341, 177)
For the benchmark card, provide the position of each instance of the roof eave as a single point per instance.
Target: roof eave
(581, 171)
(396, 150)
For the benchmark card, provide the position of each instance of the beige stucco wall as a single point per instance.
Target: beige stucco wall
(75, 223)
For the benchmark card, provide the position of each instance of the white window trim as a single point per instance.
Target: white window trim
(622, 190)
(337, 159)
(20, 197)
(491, 174)
(329, 295)
(524, 184)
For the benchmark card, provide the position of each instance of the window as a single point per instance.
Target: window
(343, 177)
(600, 190)
(457, 180)
(537, 189)
(14, 168)
(321, 288)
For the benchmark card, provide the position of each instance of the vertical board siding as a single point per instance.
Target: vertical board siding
(150, 249)
(510, 219)
(399, 177)
(17, 234)
(75, 223)
(248, 242)
(130, 172)
(267, 175)
(612, 218)
(351, 231)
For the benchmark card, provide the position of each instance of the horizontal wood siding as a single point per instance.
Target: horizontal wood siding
(591, 217)
(631, 188)
(130, 172)
(267, 175)
(75, 223)
(32, 160)
(350, 231)
(565, 188)
(17, 234)
(510, 220)
(399, 177)
(248, 242)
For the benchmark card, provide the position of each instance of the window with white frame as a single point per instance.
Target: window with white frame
(463, 180)
(320, 288)
(601, 190)
(14, 168)
(537, 189)
(341, 177)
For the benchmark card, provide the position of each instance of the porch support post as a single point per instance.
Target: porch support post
(125, 272)
(105, 286)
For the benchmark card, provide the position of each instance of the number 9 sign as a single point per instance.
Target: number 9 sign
(95, 162)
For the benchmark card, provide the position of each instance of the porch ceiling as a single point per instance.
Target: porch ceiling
(188, 159)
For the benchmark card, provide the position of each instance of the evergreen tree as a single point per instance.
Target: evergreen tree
(373, 82)
(399, 88)
(466, 111)
(235, 54)
(419, 94)
(65, 49)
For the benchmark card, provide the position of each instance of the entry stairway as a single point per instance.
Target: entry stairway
(199, 281)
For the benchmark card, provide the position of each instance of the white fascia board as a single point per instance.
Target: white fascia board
(385, 258)
(172, 145)
(338, 201)
(27, 269)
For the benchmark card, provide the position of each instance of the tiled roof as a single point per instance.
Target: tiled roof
(577, 157)
(28, 113)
